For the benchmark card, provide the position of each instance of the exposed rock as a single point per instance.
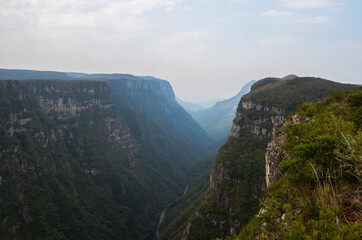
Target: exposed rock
(257, 120)
(273, 155)
(66, 108)
(94, 172)
(217, 176)
(235, 131)
(24, 121)
(275, 152)
(247, 105)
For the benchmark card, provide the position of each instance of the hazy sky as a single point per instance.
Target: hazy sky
(203, 47)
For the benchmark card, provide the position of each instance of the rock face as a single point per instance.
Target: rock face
(154, 101)
(257, 119)
(217, 176)
(273, 155)
(275, 152)
(68, 102)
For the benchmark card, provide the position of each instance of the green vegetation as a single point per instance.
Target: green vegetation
(274, 91)
(318, 195)
(179, 211)
(77, 161)
(44, 192)
(236, 199)
(108, 169)
(238, 178)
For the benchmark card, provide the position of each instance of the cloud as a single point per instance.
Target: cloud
(316, 20)
(309, 4)
(54, 16)
(181, 38)
(276, 40)
(274, 13)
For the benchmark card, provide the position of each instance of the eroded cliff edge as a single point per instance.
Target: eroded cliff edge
(239, 175)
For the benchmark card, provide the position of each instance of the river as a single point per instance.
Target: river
(163, 214)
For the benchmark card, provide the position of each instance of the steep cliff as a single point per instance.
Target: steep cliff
(257, 119)
(109, 141)
(154, 104)
(238, 178)
(273, 156)
(314, 174)
(44, 191)
(97, 148)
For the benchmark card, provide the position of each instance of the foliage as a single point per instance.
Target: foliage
(273, 91)
(236, 197)
(44, 192)
(318, 196)
(179, 211)
(69, 178)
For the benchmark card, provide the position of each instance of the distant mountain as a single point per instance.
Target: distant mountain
(190, 107)
(217, 120)
(209, 103)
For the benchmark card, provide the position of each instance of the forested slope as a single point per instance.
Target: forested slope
(315, 188)
(238, 178)
(74, 154)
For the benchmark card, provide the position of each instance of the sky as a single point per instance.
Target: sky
(204, 48)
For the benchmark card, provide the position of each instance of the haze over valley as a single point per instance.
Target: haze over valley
(180, 119)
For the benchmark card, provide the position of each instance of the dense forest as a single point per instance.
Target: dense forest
(92, 158)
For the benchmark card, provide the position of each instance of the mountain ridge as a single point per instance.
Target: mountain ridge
(237, 180)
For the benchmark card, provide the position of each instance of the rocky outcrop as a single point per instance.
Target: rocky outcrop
(249, 105)
(257, 119)
(68, 108)
(275, 152)
(217, 176)
(66, 102)
(273, 156)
